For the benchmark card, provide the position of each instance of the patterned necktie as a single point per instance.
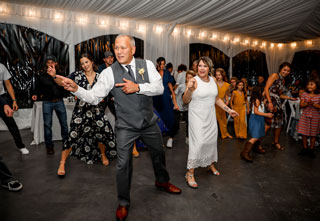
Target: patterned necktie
(130, 71)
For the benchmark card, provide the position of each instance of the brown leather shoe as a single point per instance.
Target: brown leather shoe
(122, 212)
(168, 187)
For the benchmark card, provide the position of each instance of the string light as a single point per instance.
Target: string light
(142, 28)
(255, 43)
(213, 36)
(309, 42)
(124, 24)
(271, 45)
(263, 44)
(58, 17)
(159, 29)
(175, 31)
(246, 41)
(32, 13)
(236, 40)
(280, 45)
(226, 38)
(203, 34)
(293, 44)
(189, 32)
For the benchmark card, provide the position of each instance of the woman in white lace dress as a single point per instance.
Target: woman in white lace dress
(201, 94)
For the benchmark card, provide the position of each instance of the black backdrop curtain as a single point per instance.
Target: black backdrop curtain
(23, 52)
(250, 64)
(303, 63)
(97, 46)
(220, 60)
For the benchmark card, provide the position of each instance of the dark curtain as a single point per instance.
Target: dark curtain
(97, 46)
(303, 63)
(250, 64)
(220, 60)
(23, 52)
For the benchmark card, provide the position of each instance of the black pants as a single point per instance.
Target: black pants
(151, 137)
(176, 125)
(5, 174)
(12, 126)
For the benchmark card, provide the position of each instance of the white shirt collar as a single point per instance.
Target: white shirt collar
(132, 64)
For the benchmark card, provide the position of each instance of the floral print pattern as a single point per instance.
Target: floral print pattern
(89, 125)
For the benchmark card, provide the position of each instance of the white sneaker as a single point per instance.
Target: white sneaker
(169, 143)
(24, 150)
(187, 140)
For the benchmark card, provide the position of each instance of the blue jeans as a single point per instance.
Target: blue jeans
(61, 113)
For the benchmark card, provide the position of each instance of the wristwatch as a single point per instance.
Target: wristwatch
(54, 77)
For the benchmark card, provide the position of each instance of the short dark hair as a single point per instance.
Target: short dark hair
(161, 59)
(169, 65)
(182, 67)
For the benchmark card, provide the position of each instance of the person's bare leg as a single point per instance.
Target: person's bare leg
(63, 159)
(104, 158)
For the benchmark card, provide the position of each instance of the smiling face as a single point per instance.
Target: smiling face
(285, 71)
(86, 64)
(124, 50)
(240, 86)
(108, 61)
(162, 65)
(311, 87)
(219, 76)
(203, 70)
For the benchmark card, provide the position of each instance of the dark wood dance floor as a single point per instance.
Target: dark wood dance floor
(279, 185)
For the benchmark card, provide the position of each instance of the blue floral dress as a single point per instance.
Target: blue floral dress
(89, 125)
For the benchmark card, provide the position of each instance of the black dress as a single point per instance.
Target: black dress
(89, 125)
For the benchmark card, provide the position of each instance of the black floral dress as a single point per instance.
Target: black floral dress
(275, 91)
(89, 125)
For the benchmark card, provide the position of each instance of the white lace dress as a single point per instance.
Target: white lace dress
(203, 129)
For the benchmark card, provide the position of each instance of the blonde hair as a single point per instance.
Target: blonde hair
(190, 72)
(208, 62)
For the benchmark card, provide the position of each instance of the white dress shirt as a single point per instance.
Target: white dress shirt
(105, 84)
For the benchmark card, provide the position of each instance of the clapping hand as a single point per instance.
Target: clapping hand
(68, 84)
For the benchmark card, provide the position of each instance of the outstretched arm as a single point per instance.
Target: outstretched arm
(99, 91)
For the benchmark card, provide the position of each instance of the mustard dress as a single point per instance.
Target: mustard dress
(221, 114)
(239, 105)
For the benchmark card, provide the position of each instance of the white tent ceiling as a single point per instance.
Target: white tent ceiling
(275, 21)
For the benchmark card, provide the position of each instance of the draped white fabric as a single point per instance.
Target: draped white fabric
(261, 21)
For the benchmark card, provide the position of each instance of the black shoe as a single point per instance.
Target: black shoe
(50, 150)
(14, 186)
(303, 152)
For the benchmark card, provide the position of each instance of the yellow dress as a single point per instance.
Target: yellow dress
(221, 114)
(239, 105)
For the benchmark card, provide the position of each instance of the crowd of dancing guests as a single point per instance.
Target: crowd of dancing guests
(202, 97)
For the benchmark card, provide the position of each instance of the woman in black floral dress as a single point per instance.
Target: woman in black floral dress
(90, 131)
(274, 93)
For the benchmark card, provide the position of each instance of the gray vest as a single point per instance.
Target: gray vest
(132, 110)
